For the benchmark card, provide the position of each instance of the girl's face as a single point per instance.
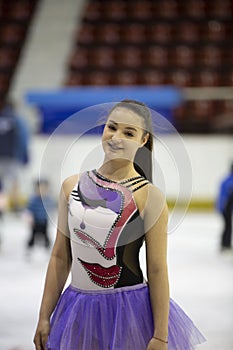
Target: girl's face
(123, 134)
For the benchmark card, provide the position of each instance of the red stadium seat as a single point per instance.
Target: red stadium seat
(8, 57)
(85, 34)
(139, 10)
(79, 59)
(20, 11)
(214, 31)
(183, 56)
(194, 9)
(103, 57)
(227, 106)
(210, 56)
(166, 9)
(227, 53)
(98, 78)
(4, 83)
(207, 78)
(181, 78)
(152, 77)
(187, 32)
(17, 10)
(129, 57)
(12, 34)
(133, 33)
(109, 33)
(160, 33)
(93, 11)
(156, 56)
(228, 78)
(125, 78)
(202, 109)
(114, 10)
(180, 113)
(75, 79)
(220, 9)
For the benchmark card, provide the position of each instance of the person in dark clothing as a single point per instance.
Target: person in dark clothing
(1, 208)
(14, 152)
(225, 207)
(1, 201)
(37, 207)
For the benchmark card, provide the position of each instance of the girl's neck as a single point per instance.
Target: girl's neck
(117, 170)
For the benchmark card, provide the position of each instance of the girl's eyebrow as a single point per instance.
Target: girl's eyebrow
(127, 127)
(112, 121)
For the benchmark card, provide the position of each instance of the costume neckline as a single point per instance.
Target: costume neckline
(121, 182)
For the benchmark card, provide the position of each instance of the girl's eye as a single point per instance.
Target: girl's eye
(111, 127)
(128, 133)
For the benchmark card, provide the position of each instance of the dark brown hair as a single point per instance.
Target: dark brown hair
(143, 157)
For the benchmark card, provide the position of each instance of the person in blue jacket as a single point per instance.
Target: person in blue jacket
(38, 207)
(14, 152)
(225, 207)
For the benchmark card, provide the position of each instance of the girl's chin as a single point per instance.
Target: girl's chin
(116, 157)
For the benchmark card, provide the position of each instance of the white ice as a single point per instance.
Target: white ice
(201, 280)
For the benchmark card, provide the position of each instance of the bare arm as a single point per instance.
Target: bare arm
(155, 219)
(58, 267)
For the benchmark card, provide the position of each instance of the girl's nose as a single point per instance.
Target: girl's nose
(117, 135)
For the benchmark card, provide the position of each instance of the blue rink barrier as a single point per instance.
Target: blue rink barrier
(58, 105)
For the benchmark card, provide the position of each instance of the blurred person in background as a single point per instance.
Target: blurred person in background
(14, 153)
(1, 210)
(1, 200)
(37, 213)
(225, 207)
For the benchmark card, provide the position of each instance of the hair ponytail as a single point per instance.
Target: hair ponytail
(143, 160)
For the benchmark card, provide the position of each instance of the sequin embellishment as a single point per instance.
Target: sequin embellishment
(102, 276)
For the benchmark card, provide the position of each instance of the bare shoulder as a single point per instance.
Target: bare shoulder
(149, 198)
(152, 205)
(155, 194)
(68, 184)
(156, 201)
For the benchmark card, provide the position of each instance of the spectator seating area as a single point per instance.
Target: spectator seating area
(163, 42)
(15, 17)
(187, 44)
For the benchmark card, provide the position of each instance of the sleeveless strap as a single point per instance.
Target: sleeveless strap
(134, 181)
(140, 186)
(128, 183)
(123, 182)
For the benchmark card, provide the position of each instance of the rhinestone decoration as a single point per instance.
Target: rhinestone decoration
(105, 277)
(82, 225)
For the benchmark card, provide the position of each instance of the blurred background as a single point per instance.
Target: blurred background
(59, 57)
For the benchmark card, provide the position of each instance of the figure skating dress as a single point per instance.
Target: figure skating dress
(107, 305)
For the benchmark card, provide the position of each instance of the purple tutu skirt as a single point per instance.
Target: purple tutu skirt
(116, 319)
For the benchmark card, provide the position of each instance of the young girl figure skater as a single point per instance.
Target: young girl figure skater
(105, 215)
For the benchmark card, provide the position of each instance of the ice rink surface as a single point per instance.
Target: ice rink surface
(201, 280)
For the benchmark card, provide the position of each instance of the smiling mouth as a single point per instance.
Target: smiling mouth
(114, 148)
